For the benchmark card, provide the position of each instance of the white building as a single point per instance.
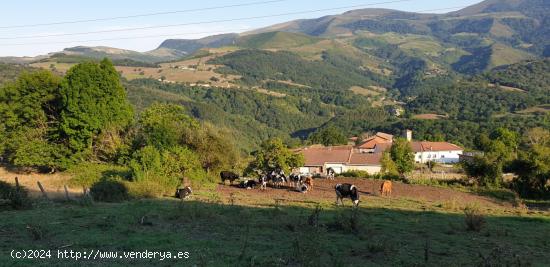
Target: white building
(441, 152)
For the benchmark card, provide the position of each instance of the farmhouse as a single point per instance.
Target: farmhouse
(366, 155)
(442, 152)
(339, 158)
(424, 151)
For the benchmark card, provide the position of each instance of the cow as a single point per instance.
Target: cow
(386, 188)
(302, 187)
(346, 191)
(263, 182)
(296, 179)
(277, 178)
(184, 193)
(330, 173)
(278, 181)
(309, 182)
(248, 184)
(227, 175)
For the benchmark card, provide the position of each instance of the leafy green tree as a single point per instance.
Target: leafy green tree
(500, 149)
(388, 165)
(166, 125)
(328, 136)
(92, 99)
(485, 171)
(273, 155)
(29, 108)
(533, 166)
(401, 153)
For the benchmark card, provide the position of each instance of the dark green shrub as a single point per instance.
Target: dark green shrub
(109, 191)
(355, 174)
(12, 197)
(473, 218)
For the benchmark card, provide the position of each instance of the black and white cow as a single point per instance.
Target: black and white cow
(278, 181)
(227, 175)
(347, 191)
(302, 187)
(248, 184)
(184, 193)
(330, 173)
(277, 178)
(263, 182)
(296, 179)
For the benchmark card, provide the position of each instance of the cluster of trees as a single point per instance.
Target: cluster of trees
(469, 101)
(533, 76)
(53, 123)
(258, 65)
(505, 151)
(50, 122)
(328, 136)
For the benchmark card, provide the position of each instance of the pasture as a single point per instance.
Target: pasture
(229, 226)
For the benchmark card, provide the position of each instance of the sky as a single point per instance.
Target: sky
(197, 19)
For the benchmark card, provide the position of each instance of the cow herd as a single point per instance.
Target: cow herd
(301, 183)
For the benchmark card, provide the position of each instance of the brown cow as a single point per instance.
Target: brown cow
(386, 188)
(309, 183)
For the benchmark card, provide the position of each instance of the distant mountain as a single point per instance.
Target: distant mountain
(188, 46)
(469, 41)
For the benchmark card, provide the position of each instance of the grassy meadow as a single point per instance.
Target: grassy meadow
(238, 230)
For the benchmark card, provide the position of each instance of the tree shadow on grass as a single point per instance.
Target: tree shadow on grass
(217, 234)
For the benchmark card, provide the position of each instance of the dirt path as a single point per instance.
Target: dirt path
(324, 190)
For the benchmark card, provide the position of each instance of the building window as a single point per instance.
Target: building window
(442, 156)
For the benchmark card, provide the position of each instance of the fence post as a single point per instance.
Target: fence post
(42, 189)
(66, 193)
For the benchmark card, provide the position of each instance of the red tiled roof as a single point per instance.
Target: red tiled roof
(365, 159)
(433, 146)
(382, 147)
(315, 156)
(379, 138)
(385, 136)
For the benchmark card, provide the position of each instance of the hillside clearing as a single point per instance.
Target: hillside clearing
(429, 116)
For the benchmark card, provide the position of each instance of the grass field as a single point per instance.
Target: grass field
(229, 226)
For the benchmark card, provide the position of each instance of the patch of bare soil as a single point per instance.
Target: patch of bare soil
(324, 190)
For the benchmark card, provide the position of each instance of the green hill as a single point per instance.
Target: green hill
(275, 40)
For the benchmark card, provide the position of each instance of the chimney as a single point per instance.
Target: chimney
(408, 135)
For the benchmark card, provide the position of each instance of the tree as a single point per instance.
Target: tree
(273, 155)
(29, 108)
(388, 165)
(166, 125)
(401, 153)
(485, 171)
(533, 165)
(92, 99)
(500, 149)
(328, 136)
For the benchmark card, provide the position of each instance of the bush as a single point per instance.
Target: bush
(86, 174)
(109, 191)
(474, 219)
(12, 197)
(355, 174)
